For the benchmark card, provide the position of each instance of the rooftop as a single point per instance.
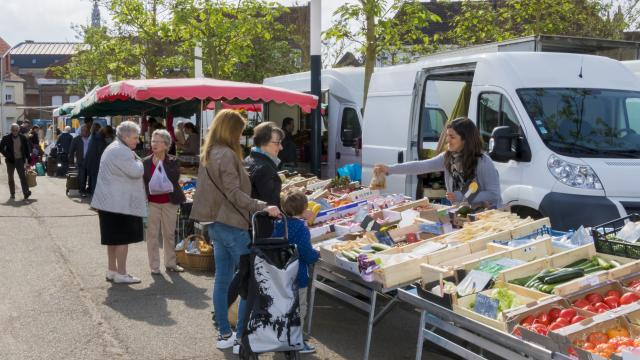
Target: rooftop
(3, 46)
(45, 48)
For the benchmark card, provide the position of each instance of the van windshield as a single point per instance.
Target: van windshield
(586, 122)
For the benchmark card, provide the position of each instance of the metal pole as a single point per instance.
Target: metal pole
(197, 61)
(316, 68)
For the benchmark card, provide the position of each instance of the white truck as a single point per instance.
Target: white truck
(564, 129)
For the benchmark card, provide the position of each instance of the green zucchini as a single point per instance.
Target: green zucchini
(604, 263)
(522, 281)
(380, 247)
(350, 256)
(564, 276)
(578, 263)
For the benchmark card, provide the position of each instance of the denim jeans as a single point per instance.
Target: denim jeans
(228, 244)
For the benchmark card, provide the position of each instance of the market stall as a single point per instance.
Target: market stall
(508, 286)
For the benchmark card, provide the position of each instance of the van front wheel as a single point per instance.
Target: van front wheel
(524, 212)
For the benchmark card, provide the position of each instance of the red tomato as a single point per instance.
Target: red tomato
(577, 318)
(594, 298)
(612, 301)
(588, 346)
(543, 318)
(602, 305)
(563, 321)
(629, 298)
(580, 303)
(621, 341)
(527, 320)
(555, 326)
(635, 282)
(554, 313)
(597, 338)
(590, 308)
(540, 329)
(615, 293)
(567, 314)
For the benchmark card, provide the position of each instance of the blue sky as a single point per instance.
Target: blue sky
(51, 20)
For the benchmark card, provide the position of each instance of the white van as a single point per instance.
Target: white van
(567, 129)
(342, 94)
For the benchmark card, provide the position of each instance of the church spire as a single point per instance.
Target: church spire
(95, 15)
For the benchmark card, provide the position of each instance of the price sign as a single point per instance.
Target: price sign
(486, 306)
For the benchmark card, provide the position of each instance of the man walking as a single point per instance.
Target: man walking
(96, 147)
(77, 154)
(16, 149)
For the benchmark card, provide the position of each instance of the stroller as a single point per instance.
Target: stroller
(268, 282)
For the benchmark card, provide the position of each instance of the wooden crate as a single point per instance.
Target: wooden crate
(601, 289)
(403, 272)
(530, 228)
(524, 296)
(410, 205)
(623, 272)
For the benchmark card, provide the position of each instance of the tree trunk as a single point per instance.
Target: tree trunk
(370, 53)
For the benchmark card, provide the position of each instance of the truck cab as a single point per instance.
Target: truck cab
(562, 129)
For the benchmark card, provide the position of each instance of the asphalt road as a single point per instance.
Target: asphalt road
(56, 304)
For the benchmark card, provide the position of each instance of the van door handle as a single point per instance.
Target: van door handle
(338, 155)
(400, 157)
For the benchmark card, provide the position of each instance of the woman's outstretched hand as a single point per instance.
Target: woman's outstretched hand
(380, 169)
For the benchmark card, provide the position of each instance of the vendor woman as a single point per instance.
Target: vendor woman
(469, 174)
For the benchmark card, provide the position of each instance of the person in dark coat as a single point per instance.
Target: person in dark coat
(262, 164)
(288, 155)
(77, 153)
(16, 149)
(63, 146)
(97, 144)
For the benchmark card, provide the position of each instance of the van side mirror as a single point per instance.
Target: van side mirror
(500, 145)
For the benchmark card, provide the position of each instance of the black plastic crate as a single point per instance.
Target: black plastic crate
(602, 233)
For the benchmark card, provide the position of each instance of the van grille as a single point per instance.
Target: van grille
(623, 163)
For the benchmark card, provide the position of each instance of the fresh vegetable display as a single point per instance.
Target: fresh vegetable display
(597, 303)
(607, 343)
(545, 321)
(507, 299)
(547, 280)
(634, 285)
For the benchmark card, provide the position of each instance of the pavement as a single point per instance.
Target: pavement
(56, 304)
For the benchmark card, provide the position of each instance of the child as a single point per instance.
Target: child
(294, 205)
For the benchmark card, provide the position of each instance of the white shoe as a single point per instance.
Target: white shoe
(125, 279)
(236, 348)
(225, 343)
(110, 275)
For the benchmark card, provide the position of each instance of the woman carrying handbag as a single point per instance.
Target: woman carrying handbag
(161, 175)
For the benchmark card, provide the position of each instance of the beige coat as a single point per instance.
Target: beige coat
(210, 204)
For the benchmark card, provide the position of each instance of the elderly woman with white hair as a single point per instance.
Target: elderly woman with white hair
(120, 200)
(161, 175)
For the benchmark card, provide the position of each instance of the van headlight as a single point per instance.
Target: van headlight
(574, 175)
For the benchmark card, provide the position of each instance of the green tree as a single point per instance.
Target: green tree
(390, 27)
(482, 21)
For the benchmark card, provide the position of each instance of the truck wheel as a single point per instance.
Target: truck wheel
(523, 212)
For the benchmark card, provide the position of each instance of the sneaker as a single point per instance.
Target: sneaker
(125, 279)
(156, 272)
(110, 275)
(176, 268)
(236, 347)
(225, 342)
(307, 349)
(26, 196)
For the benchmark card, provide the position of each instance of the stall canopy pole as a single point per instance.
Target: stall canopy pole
(316, 66)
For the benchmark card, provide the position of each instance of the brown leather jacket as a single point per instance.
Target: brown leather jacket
(228, 201)
(172, 167)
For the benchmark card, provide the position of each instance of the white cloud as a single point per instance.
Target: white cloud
(51, 20)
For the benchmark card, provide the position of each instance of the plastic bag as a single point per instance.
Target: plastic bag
(378, 182)
(160, 183)
(353, 171)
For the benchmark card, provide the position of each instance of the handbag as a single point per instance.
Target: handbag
(160, 183)
(31, 178)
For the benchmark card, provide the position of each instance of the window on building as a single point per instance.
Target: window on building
(74, 98)
(56, 100)
(9, 94)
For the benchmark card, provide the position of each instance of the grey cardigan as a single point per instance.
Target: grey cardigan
(486, 174)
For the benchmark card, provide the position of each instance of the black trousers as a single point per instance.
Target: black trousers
(18, 165)
(82, 178)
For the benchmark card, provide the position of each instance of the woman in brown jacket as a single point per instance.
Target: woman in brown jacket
(223, 196)
(163, 208)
